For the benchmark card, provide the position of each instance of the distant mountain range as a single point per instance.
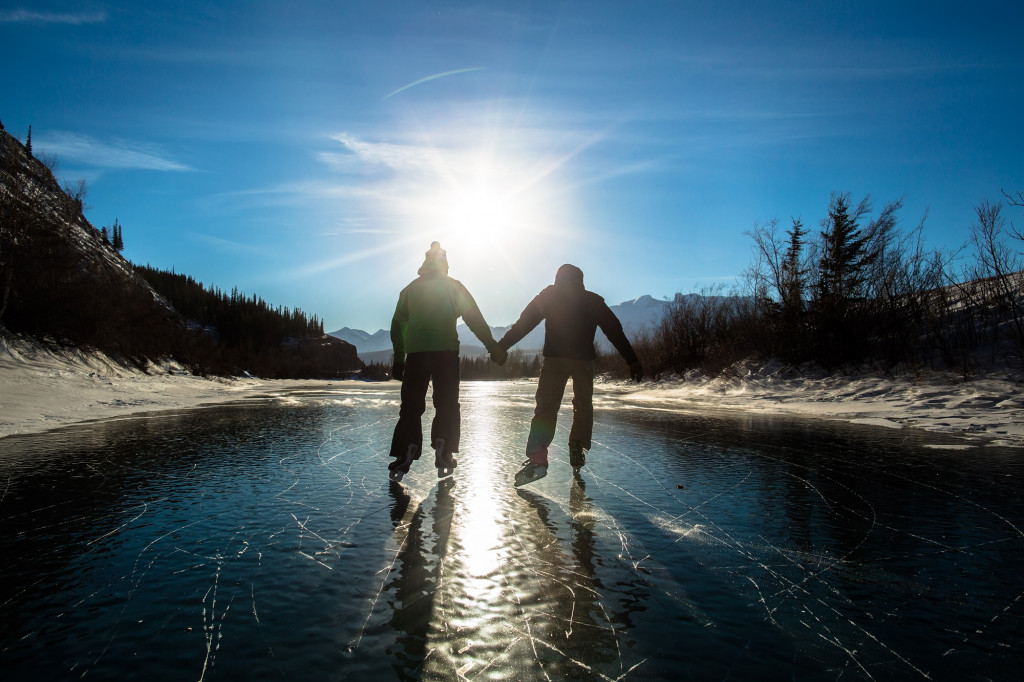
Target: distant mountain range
(637, 316)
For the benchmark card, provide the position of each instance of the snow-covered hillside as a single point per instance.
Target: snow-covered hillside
(61, 279)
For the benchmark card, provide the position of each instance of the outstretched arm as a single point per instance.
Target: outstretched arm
(612, 328)
(530, 318)
(471, 314)
(476, 323)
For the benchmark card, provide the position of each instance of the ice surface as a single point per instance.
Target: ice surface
(265, 537)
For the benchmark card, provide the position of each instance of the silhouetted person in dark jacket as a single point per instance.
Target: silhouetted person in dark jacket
(571, 317)
(426, 347)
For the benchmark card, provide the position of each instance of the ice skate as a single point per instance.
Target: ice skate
(444, 461)
(577, 456)
(529, 473)
(400, 467)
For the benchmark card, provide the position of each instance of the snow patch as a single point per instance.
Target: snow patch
(43, 388)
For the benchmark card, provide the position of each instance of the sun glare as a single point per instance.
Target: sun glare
(489, 211)
(475, 221)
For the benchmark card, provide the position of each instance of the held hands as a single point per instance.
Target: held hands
(499, 355)
(398, 371)
(636, 372)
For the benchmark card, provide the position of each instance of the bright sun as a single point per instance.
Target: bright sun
(475, 220)
(491, 212)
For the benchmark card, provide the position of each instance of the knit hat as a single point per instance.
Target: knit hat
(436, 260)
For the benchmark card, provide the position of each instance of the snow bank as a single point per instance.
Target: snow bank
(990, 406)
(43, 388)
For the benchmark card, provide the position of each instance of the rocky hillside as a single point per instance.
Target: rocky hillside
(62, 282)
(59, 280)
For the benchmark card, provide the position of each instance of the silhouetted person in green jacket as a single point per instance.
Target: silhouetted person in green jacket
(571, 317)
(426, 347)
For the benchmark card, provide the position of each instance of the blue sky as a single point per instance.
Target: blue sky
(309, 152)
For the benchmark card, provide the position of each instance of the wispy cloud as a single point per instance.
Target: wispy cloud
(432, 78)
(116, 154)
(389, 246)
(367, 156)
(25, 16)
(302, 193)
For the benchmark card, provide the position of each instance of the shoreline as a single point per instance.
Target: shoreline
(44, 388)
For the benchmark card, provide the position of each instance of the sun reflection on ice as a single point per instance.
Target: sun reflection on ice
(477, 531)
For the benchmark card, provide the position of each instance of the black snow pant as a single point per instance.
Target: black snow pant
(441, 368)
(554, 374)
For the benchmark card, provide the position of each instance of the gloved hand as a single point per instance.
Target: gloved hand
(636, 372)
(499, 355)
(398, 371)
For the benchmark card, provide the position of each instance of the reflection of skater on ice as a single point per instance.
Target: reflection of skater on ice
(426, 347)
(416, 577)
(571, 317)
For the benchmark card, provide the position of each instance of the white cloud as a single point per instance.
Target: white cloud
(300, 193)
(117, 154)
(376, 155)
(24, 16)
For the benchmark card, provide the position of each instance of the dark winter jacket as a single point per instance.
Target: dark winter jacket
(571, 317)
(428, 310)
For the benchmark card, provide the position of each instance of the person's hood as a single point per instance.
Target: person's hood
(569, 277)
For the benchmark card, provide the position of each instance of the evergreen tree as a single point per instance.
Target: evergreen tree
(793, 271)
(28, 141)
(105, 235)
(117, 240)
(793, 280)
(844, 256)
(840, 284)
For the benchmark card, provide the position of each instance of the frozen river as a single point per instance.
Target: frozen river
(264, 541)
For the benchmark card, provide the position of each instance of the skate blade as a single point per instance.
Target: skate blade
(520, 481)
